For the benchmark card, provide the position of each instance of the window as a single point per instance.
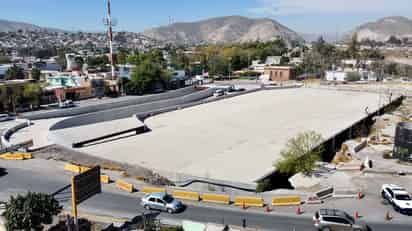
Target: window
(159, 201)
(151, 199)
(280, 73)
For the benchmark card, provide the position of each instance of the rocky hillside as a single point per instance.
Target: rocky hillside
(10, 26)
(382, 29)
(222, 30)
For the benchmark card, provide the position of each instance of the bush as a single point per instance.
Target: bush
(353, 77)
(30, 211)
(264, 186)
(300, 154)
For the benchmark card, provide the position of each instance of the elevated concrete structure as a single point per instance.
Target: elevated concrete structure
(236, 139)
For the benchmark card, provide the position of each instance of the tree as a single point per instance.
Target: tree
(394, 40)
(14, 72)
(31, 94)
(354, 47)
(300, 154)
(146, 77)
(30, 211)
(35, 74)
(4, 59)
(79, 61)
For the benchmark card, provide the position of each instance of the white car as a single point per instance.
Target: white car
(399, 198)
(5, 117)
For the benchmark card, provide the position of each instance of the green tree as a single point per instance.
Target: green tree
(35, 74)
(14, 72)
(145, 77)
(4, 59)
(354, 47)
(300, 154)
(31, 211)
(31, 94)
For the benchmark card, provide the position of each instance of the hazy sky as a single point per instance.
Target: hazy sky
(317, 16)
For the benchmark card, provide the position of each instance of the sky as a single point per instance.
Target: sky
(306, 16)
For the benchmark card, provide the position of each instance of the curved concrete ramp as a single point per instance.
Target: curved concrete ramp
(97, 133)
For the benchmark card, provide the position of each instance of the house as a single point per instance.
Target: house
(280, 73)
(70, 87)
(336, 76)
(273, 60)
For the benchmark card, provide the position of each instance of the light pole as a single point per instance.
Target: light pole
(109, 23)
(230, 67)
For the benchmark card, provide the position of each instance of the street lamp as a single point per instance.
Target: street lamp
(230, 67)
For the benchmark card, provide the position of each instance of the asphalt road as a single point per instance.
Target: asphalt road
(16, 180)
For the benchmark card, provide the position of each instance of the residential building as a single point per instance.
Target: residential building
(70, 87)
(273, 60)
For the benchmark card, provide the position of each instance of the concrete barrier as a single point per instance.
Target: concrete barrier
(286, 201)
(105, 179)
(123, 185)
(249, 201)
(16, 156)
(148, 190)
(325, 193)
(75, 168)
(216, 198)
(186, 195)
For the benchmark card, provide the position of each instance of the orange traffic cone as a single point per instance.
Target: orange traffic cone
(243, 205)
(388, 216)
(298, 211)
(360, 195)
(267, 209)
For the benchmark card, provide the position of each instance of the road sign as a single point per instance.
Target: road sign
(87, 184)
(84, 186)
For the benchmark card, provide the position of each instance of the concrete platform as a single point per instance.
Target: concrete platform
(237, 139)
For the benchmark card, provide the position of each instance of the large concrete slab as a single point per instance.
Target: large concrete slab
(240, 138)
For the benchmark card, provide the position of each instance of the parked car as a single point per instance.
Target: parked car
(398, 197)
(66, 104)
(219, 92)
(162, 202)
(6, 117)
(336, 220)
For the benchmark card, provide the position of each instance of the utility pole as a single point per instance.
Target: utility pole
(109, 23)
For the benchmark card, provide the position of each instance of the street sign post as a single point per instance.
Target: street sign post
(84, 186)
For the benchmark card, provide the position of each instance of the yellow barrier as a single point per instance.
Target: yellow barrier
(148, 190)
(286, 200)
(105, 179)
(16, 156)
(185, 195)
(75, 168)
(124, 186)
(216, 198)
(249, 201)
(72, 168)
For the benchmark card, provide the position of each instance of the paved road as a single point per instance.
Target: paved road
(19, 180)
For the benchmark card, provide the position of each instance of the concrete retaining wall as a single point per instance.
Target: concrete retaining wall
(111, 105)
(124, 112)
(5, 137)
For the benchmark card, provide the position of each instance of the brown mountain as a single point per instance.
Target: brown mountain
(382, 29)
(223, 30)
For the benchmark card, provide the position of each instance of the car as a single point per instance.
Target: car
(398, 197)
(336, 220)
(161, 201)
(5, 117)
(66, 104)
(219, 92)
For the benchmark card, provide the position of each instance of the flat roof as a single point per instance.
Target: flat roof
(236, 139)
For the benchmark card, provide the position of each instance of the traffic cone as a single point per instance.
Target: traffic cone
(360, 195)
(357, 216)
(267, 209)
(298, 211)
(388, 216)
(243, 205)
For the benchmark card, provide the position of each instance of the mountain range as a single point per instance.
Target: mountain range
(243, 29)
(382, 29)
(223, 30)
(12, 26)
